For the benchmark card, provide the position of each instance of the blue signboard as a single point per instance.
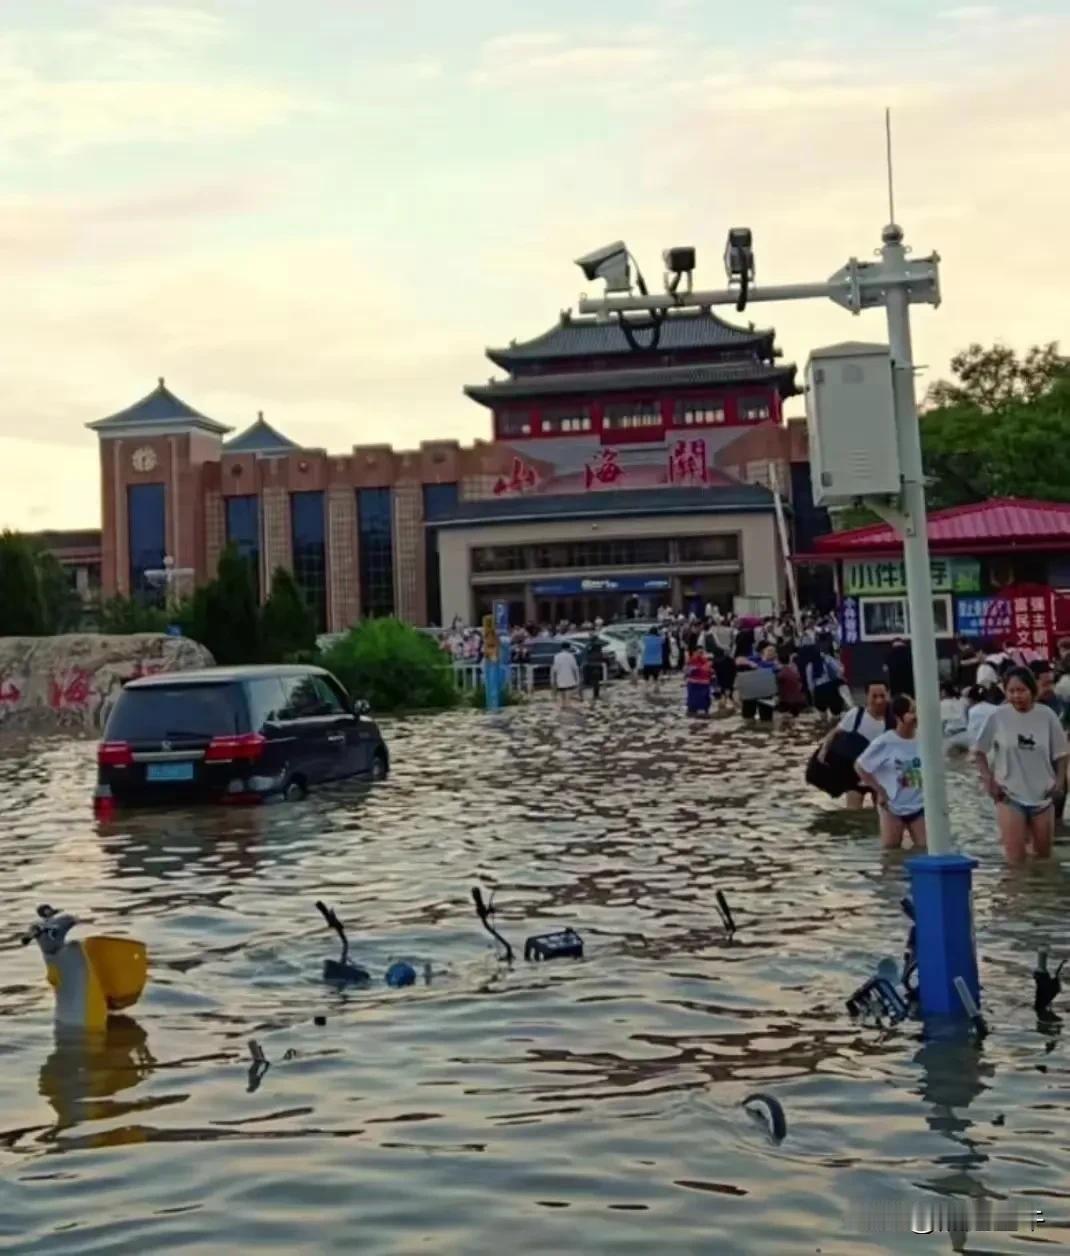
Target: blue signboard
(974, 617)
(849, 621)
(603, 584)
(501, 618)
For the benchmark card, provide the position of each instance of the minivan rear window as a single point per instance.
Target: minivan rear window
(176, 712)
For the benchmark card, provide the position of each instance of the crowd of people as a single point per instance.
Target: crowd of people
(1007, 707)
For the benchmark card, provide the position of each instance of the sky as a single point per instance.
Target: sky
(327, 210)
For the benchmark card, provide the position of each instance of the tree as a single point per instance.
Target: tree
(994, 379)
(393, 666)
(286, 623)
(22, 611)
(224, 615)
(122, 615)
(1003, 430)
(61, 604)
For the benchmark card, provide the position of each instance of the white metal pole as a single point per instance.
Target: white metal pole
(916, 548)
(785, 547)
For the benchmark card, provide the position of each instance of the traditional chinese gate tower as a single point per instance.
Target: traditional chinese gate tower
(582, 411)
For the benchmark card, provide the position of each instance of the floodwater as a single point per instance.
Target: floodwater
(578, 1106)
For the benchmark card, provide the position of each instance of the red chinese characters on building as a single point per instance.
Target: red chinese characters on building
(521, 479)
(604, 469)
(687, 462)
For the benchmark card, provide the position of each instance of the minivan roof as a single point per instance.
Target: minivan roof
(249, 671)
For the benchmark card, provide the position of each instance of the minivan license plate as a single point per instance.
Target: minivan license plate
(169, 772)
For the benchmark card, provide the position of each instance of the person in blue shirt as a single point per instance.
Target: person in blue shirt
(824, 676)
(653, 654)
(764, 659)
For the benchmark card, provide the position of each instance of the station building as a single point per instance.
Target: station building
(614, 480)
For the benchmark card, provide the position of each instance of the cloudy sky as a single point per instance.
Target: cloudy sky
(326, 210)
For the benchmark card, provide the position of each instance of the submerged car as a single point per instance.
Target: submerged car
(234, 734)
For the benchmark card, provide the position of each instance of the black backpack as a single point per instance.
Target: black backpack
(837, 774)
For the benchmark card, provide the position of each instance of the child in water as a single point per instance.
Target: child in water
(891, 766)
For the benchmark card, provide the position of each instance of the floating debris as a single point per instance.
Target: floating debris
(340, 970)
(772, 1118)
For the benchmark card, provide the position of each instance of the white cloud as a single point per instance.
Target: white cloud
(188, 24)
(537, 59)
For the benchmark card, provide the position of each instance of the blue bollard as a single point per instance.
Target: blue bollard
(943, 911)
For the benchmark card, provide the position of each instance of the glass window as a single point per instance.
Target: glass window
(487, 558)
(887, 617)
(721, 548)
(514, 423)
(243, 530)
(630, 552)
(146, 528)
(330, 702)
(572, 419)
(310, 552)
(626, 415)
(437, 499)
(375, 521)
(700, 413)
(266, 700)
(176, 712)
(754, 411)
(302, 698)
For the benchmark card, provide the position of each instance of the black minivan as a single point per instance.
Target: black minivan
(233, 734)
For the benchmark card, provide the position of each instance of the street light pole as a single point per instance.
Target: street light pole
(941, 879)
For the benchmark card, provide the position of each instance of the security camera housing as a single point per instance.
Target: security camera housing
(679, 260)
(610, 264)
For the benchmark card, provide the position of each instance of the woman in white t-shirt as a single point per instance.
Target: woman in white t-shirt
(1022, 755)
(891, 767)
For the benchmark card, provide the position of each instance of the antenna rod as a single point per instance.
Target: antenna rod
(888, 150)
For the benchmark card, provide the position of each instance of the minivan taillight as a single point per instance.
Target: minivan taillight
(115, 754)
(247, 746)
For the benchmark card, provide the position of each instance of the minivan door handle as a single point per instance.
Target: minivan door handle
(337, 737)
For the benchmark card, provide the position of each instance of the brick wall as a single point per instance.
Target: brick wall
(278, 542)
(409, 583)
(343, 558)
(215, 531)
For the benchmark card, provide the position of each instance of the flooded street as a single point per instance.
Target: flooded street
(579, 1106)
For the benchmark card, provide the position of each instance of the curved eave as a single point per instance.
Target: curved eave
(578, 383)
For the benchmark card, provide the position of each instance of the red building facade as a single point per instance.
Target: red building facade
(577, 414)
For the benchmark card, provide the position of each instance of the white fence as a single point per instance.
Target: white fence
(468, 676)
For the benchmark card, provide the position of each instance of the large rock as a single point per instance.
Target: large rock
(74, 679)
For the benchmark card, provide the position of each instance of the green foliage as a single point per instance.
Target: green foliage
(1002, 431)
(60, 601)
(224, 615)
(393, 667)
(122, 615)
(22, 608)
(995, 379)
(286, 623)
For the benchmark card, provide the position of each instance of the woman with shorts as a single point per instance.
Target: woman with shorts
(891, 766)
(653, 654)
(1022, 752)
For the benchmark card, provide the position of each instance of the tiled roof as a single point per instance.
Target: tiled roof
(161, 407)
(1001, 523)
(580, 337)
(260, 438)
(635, 379)
(736, 498)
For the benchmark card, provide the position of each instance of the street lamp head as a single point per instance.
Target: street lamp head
(739, 255)
(610, 264)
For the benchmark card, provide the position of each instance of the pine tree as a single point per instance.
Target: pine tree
(286, 623)
(224, 616)
(22, 611)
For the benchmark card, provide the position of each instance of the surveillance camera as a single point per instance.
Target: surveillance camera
(680, 260)
(610, 264)
(739, 254)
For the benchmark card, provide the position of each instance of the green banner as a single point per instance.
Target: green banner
(949, 575)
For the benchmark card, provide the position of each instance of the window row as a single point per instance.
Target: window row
(626, 416)
(633, 552)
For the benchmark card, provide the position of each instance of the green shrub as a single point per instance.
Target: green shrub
(121, 615)
(286, 623)
(393, 667)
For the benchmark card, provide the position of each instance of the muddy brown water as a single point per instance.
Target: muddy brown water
(588, 1106)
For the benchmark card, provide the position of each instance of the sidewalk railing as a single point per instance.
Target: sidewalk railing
(468, 676)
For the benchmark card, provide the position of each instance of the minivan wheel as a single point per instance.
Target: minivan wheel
(295, 790)
(379, 766)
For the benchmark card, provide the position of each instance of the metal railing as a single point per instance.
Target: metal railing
(468, 676)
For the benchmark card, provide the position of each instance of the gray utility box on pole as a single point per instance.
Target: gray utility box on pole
(850, 417)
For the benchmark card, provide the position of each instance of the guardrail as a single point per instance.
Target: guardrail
(468, 676)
